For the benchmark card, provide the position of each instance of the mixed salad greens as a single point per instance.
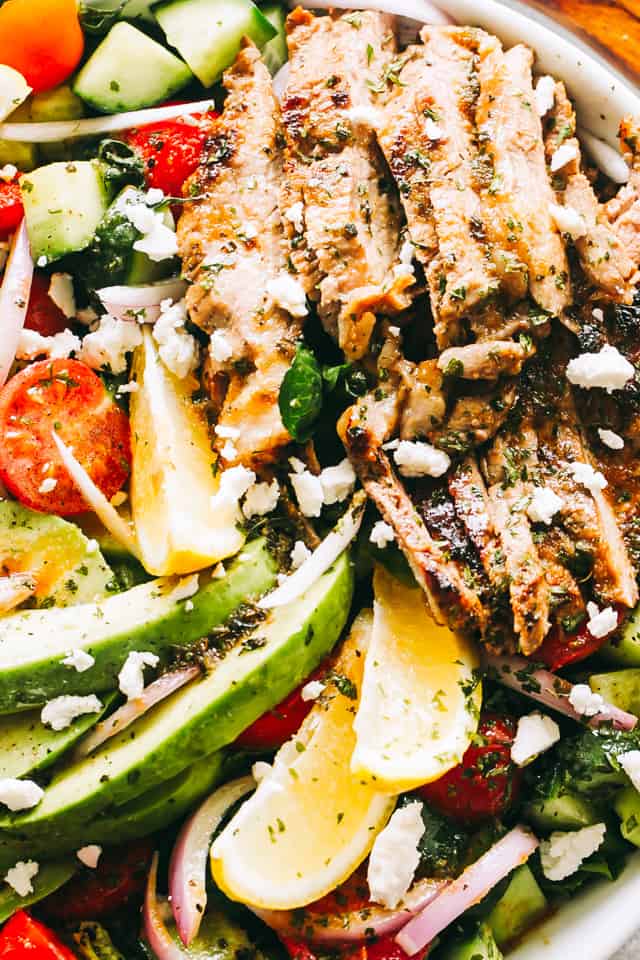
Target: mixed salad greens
(202, 692)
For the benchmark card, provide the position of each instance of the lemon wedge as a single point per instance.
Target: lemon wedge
(421, 692)
(311, 822)
(172, 474)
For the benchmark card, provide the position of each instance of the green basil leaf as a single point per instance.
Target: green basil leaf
(300, 399)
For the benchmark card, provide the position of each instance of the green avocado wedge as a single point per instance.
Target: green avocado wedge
(206, 715)
(50, 876)
(33, 643)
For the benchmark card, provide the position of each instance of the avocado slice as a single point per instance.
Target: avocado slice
(49, 877)
(207, 714)
(33, 643)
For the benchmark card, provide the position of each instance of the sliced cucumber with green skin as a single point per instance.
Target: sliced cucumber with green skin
(63, 205)
(624, 647)
(478, 945)
(564, 811)
(208, 33)
(129, 71)
(27, 746)
(275, 53)
(627, 806)
(206, 715)
(620, 687)
(33, 643)
(521, 905)
(49, 877)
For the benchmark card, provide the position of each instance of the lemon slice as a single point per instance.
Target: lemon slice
(172, 474)
(311, 822)
(421, 693)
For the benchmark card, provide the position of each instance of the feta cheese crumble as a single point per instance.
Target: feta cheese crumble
(535, 734)
(60, 712)
(20, 794)
(395, 856)
(381, 534)
(294, 214)
(630, 763)
(584, 473)
(308, 491)
(299, 554)
(432, 130)
(186, 587)
(21, 876)
(568, 220)
(79, 660)
(562, 156)
(8, 172)
(545, 95)
(607, 369)
(226, 433)
(158, 241)
(544, 505)
(611, 439)
(288, 293)
(89, 855)
(58, 347)
(220, 347)
(563, 853)
(48, 485)
(312, 690)
(584, 701)
(337, 482)
(61, 292)
(260, 499)
(178, 349)
(109, 344)
(124, 388)
(234, 483)
(131, 676)
(415, 458)
(601, 622)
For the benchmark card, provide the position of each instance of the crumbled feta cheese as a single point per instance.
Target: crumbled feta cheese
(381, 534)
(153, 196)
(563, 853)
(312, 690)
(89, 855)
(337, 482)
(48, 485)
(260, 499)
(294, 214)
(611, 439)
(545, 95)
(60, 712)
(630, 763)
(92, 546)
(158, 241)
(299, 554)
(562, 156)
(607, 369)
(598, 315)
(395, 856)
(234, 483)
(62, 294)
(131, 676)
(8, 172)
(401, 270)
(535, 734)
(109, 344)
(296, 465)
(406, 252)
(185, 587)
(415, 458)
(228, 451)
(79, 660)
(584, 473)
(584, 701)
(601, 622)
(131, 387)
(432, 130)
(41, 261)
(177, 348)
(218, 572)
(568, 220)
(20, 794)
(20, 877)
(364, 115)
(226, 433)
(289, 294)
(58, 347)
(544, 505)
(220, 347)
(309, 493)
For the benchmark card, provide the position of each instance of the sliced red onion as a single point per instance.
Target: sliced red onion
(14, 298)
(357, 925)
(419, 11)
(155, 930)
(608, 159)
(143, 302)
(470, 887)
(55, 130)
(280, 81)
(545, 687)
(188, 866)
(322, 557)
(159, 690)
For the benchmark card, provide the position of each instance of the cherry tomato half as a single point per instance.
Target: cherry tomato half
(43, 315)
(170, 150)
(11, 210)
(560, 648)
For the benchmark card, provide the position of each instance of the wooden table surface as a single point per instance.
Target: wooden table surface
(611, 26)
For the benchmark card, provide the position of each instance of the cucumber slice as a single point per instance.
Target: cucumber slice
(129, 71)
(14, 90)
(564, 811)
(627, 806)
(620, 687)
(63, 205)
(519, 907)
(275, 52)
(208, 33)
(22, 155)
(624, 648)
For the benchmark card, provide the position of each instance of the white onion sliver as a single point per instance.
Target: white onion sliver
(419, 10)
(606, 157)
(158, 937)
(96, 499)
(125, 302)
(14, 298)
(188, 866)
(470, 887)
(322, 557)
(358, 925)
(545, 687)
(55, 130)
(159, 690)
(280, 82)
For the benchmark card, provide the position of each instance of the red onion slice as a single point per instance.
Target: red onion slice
(188, 866)
(14, 298)
(155, 930)
(545, 687)
(470, 887)
(128, 302)
(159, 690)
(357, 925)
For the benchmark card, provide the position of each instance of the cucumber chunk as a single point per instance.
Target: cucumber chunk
(275, 52)
(129, 71)
(479, 945)
(520, 906)
(563, 811)
(620, 687)
(627, 806)
(208, 33)
(63, 205)
(61, 103)
(624, 647)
